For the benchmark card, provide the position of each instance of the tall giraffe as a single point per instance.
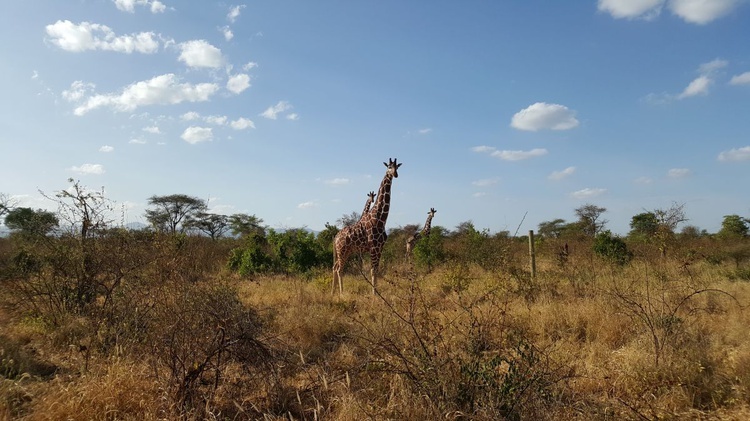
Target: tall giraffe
(366, 235)
(412, 240)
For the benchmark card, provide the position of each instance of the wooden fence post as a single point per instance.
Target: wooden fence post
(532, 255)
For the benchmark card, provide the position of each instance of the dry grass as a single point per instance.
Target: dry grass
(459, 342)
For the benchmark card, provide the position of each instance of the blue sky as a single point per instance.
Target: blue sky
(507, 113)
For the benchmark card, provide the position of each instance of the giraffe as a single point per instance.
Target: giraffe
(370, 199)
(366, 235)
(412, 240)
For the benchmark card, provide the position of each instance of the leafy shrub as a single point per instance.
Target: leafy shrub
(612, 248)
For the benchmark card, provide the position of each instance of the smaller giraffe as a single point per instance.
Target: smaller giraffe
(412, 240)
(368, 203)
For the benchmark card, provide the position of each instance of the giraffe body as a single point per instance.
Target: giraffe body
(412, 240)
(368, 234)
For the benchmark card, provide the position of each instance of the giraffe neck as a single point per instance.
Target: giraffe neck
(368, 203)
(383, 202)
(427, 226)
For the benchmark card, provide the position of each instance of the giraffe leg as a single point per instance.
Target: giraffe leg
(374, 271)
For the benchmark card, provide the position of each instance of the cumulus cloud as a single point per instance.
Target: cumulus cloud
(160, 90)
(678, 173)
(737, 154)
(190, 115)
(486, 182)
(242, 124)
(698, 12)
(483, 149)
(129, 5)
(644, 180)
(742, 79)
(518, 155)
(106, 148)
(137, 142)
(699, 86)
(541, 116)
(228, 34)
(77, 91)
(93, 36)
(559, 175)
(218, 120)
(238, 83)
(307, 205)
(199, 53)
(88, 169)
(234, 13)
(249, 65)
(337, 181)
(588, 193)
(630, 9)
(272, 112)
(196, 134)
(292, 116)
(152, 130)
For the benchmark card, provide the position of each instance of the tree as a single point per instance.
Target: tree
(734, 226)
(644, 225)
(612, 248)
(348, 219)
(31, 222)
(7, 203)
(244, 225)
(668, 220)
(173, 212)
(589, 219)
(84, 210)
(552, 229)
(211, 224)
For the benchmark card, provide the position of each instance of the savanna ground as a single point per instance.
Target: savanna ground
(132, 325)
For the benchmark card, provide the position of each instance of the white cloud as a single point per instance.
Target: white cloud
(292, 116)
(152, 130)
(738, 154)
(588, 193)
(129, 5)
(77, 91)
(228, 35)
(337, 181)
(218, 120)
(424, 131)
(238, 83)
(743, 79)
(644, 180)
(692, 11)
(479, 194)
(307, 205)
(702, 12)
(34, 75)
(712, 66)
(242, 123)
(195, 134)
(631, 9)
(486, 182)
(199, 53)
(106, 148)
(483, 149)
(518, 155)
(234, 13)
(540, 116)
(559, 175)
(190, 115)
(699, 86)
(161, 90)
(92, 36)
(273, 111)
(88, 169)
(249, 65)
(678, 173)
(137, 141)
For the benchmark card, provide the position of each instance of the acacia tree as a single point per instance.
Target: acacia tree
(212, 224)
(552, 229)
(30, 222)
(7, 203)
(244, 225)
(668, 220)
(173, 212)
(589, 219)
(644, 225)
(734, 226)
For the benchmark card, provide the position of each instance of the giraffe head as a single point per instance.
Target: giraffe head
(371, 195)
(432, 212)
(392, 167)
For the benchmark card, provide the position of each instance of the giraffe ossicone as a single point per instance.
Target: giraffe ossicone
(368, 234)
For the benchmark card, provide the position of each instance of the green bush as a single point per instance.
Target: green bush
(612, 248)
